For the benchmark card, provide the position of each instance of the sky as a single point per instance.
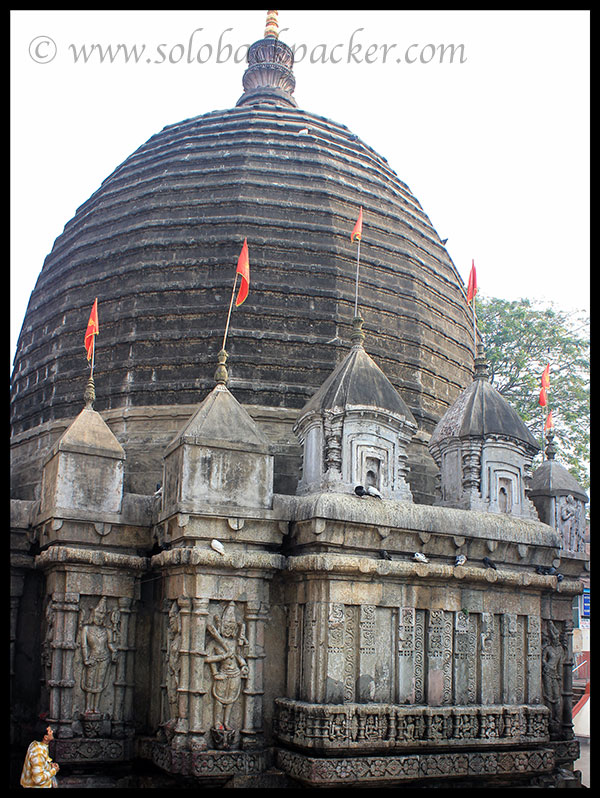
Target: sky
(483, 114)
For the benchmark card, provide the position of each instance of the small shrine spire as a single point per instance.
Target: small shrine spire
(481, 364)
(357, 337)
(221, 375)
(89, 395)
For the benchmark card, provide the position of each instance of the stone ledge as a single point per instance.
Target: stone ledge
(230, 561)
(95, 557)
(368, 566)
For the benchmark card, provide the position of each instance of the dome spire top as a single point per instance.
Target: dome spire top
(269, 77)
(272, 26)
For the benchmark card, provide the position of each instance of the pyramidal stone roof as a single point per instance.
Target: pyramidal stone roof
(553, 479)
(479, 411)
(89, 434)
(221, 420)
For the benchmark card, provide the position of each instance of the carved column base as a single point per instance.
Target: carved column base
(209, 765)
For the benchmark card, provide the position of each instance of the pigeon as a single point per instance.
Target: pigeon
(445, 241)
(303, 132)
(373, 492)
(370, 491)
(419, 557)
(158, 491)
(460, 559)
(217, 546)
(488, 563)
(384, 555)
(360, 491)
(559, 577)
(545, 570)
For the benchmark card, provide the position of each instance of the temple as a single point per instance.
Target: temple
(317, 557)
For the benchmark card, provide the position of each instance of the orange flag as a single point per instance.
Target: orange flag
(357, 232)
(472, 286)
(543, 400)
(549, 423)
(92, 330)
(546, 377)
(243, 269)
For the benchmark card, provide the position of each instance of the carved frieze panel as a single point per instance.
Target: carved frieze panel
(390, 726)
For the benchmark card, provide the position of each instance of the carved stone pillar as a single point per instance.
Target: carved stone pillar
(65, 609)
(198, 687)
(124, 675)
(183, 694)
(251, 734)
(567, 680)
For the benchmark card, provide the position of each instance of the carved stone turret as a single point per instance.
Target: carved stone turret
(484, 451)
(356, 430)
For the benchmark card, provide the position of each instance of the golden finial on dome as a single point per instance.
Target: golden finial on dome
(272, 26)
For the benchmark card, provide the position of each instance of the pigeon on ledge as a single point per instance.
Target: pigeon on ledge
(217, 546)
(419, 557)
(460, 559)
(488, 563)
(384, 555)
(370, 491)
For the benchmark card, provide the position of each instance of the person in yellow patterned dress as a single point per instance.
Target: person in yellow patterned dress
(38, 769)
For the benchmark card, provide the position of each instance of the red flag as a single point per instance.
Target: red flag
(543, 400)
(549, 423)
(243, 269)
(472, 286)
(546, 377)
(357, 232)
(92, 329)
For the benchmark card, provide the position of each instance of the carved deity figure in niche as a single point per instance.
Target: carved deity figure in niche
(553, 657)
(173, 653)
(568, 522)
(98, 651)
(227, 665)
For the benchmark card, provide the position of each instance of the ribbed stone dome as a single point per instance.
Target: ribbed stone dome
(158, 243)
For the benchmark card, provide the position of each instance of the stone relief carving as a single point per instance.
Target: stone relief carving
(173, 656)
(570, 521)
(47, 642)
(228, 669)
(553, 657)
(99, 641)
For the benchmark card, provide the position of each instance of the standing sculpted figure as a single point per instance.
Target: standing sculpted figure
(98, 652)
(227, 665)
(552, 662)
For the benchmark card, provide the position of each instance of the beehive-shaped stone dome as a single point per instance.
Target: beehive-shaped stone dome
(157, 243)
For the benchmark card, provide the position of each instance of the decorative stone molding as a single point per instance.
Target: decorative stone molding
(332, 772)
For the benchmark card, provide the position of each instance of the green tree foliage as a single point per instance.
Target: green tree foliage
(520, 338)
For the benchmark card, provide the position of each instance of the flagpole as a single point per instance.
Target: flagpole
(544, 419)
(356, 290)
(230, 309)
(474, 331)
